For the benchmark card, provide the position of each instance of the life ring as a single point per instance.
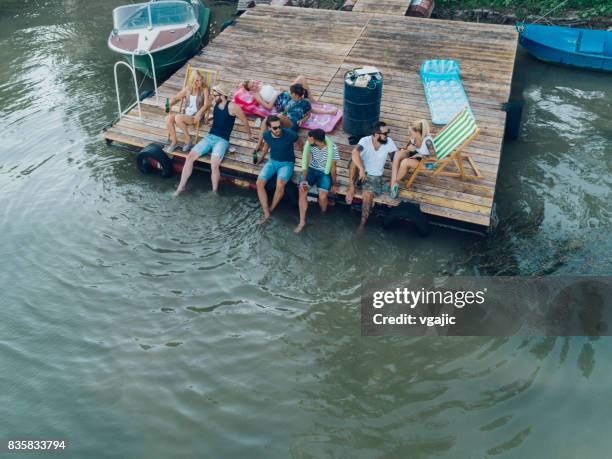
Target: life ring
(153, 159)
(330, 155)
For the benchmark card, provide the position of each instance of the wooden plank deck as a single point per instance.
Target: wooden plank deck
(396, 7)
(323, 45)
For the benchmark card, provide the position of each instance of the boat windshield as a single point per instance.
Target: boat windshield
(170, 13)
(155, 14)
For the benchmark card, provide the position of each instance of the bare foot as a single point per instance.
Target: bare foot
(264, 219)
(360, 229)
(349, 196)
(299, 228)
(177, 192)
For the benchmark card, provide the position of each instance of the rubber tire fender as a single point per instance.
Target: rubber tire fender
(154, 151)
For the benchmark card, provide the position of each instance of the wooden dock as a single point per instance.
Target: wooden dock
(273, 44)
(395, 7)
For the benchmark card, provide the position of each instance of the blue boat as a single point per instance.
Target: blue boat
(585, 48)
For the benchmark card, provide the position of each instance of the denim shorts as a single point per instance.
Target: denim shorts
(319, 178)
(211, 142)
(283, 170)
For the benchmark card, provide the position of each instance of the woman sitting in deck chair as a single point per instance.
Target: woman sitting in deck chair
(421, 145)
(446, 149)
(195, 95)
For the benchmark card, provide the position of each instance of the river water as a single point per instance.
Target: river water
(138, 326)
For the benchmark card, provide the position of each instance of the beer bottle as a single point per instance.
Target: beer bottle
(167, 105)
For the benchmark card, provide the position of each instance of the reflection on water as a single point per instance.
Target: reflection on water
(163, 327)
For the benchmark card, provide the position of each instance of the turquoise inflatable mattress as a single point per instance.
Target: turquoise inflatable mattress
(443, 89)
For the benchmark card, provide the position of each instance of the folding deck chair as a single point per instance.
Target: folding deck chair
(210, 78)
(448, 145)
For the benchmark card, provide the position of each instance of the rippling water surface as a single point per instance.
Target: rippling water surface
(138, 326)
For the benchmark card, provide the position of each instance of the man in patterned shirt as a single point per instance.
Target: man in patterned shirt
(317, 173)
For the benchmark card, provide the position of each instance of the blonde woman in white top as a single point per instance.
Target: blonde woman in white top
(195, 96)
(420, 146)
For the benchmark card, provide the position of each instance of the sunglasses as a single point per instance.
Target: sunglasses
(217, 94)
(275, 128)
(384, 132)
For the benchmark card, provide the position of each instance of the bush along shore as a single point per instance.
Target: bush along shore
(579, 13)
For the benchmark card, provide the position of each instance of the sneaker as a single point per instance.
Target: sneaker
(394, 191)
(171, 148)
(187, 147)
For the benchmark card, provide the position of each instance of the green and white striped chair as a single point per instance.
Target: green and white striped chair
(448, 145)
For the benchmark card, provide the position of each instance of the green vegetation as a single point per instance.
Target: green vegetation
(523, 8)
(583, 9)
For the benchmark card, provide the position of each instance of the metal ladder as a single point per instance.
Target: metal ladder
(132, 68)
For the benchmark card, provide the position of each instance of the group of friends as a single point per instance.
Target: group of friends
(278, 137)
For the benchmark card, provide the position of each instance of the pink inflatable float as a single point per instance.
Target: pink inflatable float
(320, 121)
(245, 100)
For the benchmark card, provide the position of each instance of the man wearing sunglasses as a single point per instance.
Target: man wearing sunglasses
(368, 165)
(279, 141)
(216, 141)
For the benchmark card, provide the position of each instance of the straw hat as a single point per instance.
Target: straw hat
(220, 89)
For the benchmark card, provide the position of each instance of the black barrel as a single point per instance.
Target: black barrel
(361, 105)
